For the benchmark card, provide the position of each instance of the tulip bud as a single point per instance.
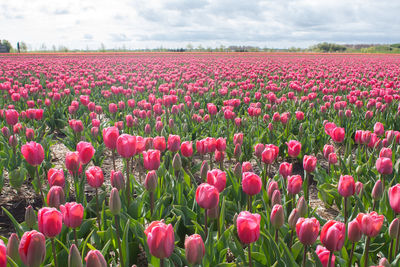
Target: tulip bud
(12, 247)
(115, 202)
(358, 170)
(302, 207)
(74, 257)
(32, 248)
(277, 215)
(276, 198)
(204, 170)
(293, 217)
(150, 183)
(30, 217)
(354, 231)
(377, 191)
(177, 162)
(237, 152)
(359, 188)
(394, 228)
(12, 141)
(55, 196)
(117, 180)
(238, 171)
(384, 262)
(94, 258)
(194, 249)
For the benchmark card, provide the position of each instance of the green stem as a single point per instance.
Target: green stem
(39, 184)
(205, 224)
(162, 262)
(97, 208)
(330, 259)
(345, 211)
(121, 259)
(366, 251)
(249, 203)
(151, 203)
(397, 243)
(351, 254)
(391, 250)
(249, 249)
(76, 238)
(113, 159)
(53, 246)
(128, 184)
(304, 256)
(276, 235)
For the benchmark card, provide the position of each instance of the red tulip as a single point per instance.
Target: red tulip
(329, 128)
(272, 186)
(210, 144)
(323, 255)
(94, 176)
(299, 115)
(201, 147)
(258, 150)
(294, 148)
(55, 196)
(295, 183)
(12, 116)
(221, 144)
(207, 196)
(159, 143)
(307, 230)
(29, 133)
(269, 154)
(110, 136)
(72, 161)
(366, 137)
(49, 221)
(248, 227)
(126, 145)
(32, 248)
(219, 156)
(337, 134)
(86, 152)
(150, 183)
(151, 159)
(246, 167)
(194, 249)
(346, 186)
(385, 153)
(277, 216)
(56, 177)
(371, 223)
(333, 235)
(160, 239)
(354, 231)
(379, 129)
(394, 198)
(251, 183)
(187, 149)
(285, 169)
(3, 254)
(309, 163)
(94, 258)
(328, 149)
(238, 139)
(174, 142)
(217, 178)
(33, 153)
(117, 179)
(357, 136)
(384, 165)
(72, 214)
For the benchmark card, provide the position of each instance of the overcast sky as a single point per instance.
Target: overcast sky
(211, 23)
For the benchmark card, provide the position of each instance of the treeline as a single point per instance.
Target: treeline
(324, 47)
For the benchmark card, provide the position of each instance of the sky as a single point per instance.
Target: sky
(86, 24)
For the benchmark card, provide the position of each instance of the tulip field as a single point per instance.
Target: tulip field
(199, 159)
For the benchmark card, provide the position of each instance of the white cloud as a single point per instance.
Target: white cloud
(175, 23)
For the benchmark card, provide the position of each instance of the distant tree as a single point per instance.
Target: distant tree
(43, 47)
(7, 44)
(23, 47)
(102, 47)
(189, 47)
